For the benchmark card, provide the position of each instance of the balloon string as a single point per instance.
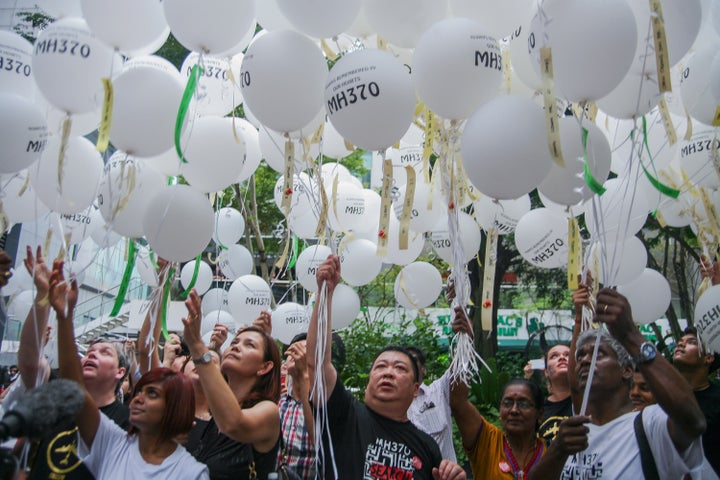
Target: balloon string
(659, 186)
(595, 186)
(184, 106)
(166, 295)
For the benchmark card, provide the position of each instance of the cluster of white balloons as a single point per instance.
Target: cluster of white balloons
(475, 64)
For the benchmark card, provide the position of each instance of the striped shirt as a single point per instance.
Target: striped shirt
(298, 453)
(430, 412)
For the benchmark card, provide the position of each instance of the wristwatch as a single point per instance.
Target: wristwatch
(647, 353)
(204, 358)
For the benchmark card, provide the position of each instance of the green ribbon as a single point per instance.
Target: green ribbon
(293, 259)
(595, 186)
(659, 186)
(166, 294)
(184, 105)
(193, 280)
(120, 299)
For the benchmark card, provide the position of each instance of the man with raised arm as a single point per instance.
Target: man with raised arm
(374, 440)
(607, 443)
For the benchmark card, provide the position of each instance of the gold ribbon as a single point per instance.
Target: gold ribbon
(66, 126)
(489, 279)
(661, 52)
(407, 208)
(573, 254)
(385, 206)
(289, 174)
(106, 118)
(552, 124)
(667, 122)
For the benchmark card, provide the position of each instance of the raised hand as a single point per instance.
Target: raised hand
(710, 269)
(63, 295)
(329, 272)
(192, 323)
(38, 270)
(5, 266)
(264, 322)
(449, 470)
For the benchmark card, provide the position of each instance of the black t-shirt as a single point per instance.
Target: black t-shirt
(553, 414)
(709, 401)
(56, 457)
(224, 457)
(367, 445)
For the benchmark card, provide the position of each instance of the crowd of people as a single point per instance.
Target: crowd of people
(615, 408)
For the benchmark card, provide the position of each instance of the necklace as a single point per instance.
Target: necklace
(519, 471)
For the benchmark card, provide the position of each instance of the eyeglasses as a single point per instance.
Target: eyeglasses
(522, 404)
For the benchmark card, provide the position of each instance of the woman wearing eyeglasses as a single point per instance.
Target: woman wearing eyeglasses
(497, 453)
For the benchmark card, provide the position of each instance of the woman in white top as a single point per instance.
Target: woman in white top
(162, 408)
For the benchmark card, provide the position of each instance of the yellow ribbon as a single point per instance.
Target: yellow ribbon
(106, 119)
(552, 124)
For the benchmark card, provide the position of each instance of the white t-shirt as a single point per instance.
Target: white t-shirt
(115, 455)
(613, 451)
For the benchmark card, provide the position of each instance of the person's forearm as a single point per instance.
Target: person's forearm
(31, 335)
(673, 393)
(575, 392)
(550, 466)
(68, 358)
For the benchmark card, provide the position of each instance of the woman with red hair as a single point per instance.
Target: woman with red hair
(161, 410)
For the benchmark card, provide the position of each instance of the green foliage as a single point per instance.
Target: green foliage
(363, 340)
(173, 52)
(30, 23)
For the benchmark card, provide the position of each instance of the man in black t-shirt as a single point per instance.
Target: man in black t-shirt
(104, 367)
(696, 368)
(374, 440)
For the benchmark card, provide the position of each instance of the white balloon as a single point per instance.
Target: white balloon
(695, 159)
(167, 163)
(304, 193)
(681, 21)
(403, 21)
(145, 266)
(304, 224)
(229, 226)
(372, 213)
(495, 161)
(204, 279)
(214, 317)
(396, 255)
(248, 296)
(235, 261)
(503, 215)
(125, 191)
(468, 233)
(500, 17)
(541, 238)
(425, 213)
(591, 65)
(359, 261)
(147, 94)
(350, 207)
(214, 157)
(334, 144)
(520, 58)
(253, 155)
(20, 201)
(369, 98)
(345, 306)
(457, 66)
(566, 185)
(23, 132)
(229, 20)
(418, 285)
(271, 17)
(127, 25)
(215, 299)
(288, 320)
(696, 84)
(648, 294)
(322, 19)
(619, 214)
(69, 64)
(620, 263)
(268, 63)
(82, 168)
(633, 97)
(707, 318)
(76, 227)
(16, 73)
(272, 146)
(178, 223)
(216, 94)
(307, 264)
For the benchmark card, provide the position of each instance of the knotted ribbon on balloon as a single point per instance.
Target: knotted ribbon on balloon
(190, 88)
(193, 280)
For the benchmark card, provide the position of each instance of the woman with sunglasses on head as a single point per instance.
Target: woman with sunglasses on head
(242, 438)
(162, 408)
(503, 453)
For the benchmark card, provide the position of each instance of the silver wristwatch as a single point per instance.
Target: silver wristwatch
(204, 358)
(647, 353)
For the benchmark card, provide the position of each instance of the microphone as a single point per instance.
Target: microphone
(40, 410)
